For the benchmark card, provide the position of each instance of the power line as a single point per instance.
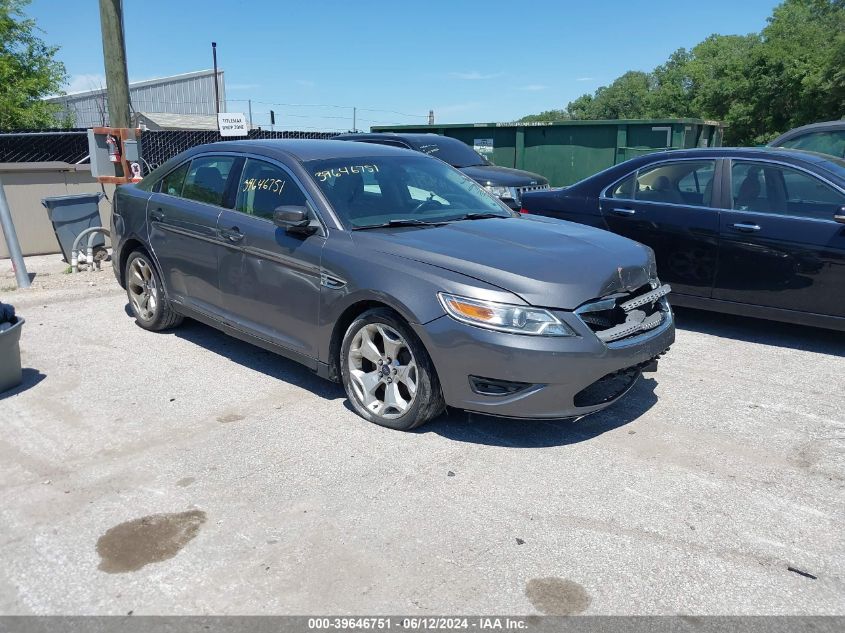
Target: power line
(334, 105)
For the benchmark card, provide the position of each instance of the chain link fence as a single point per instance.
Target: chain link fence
(39, 146)
(159, 146)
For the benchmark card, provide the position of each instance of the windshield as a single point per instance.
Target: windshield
(372, 191)
(450, 150)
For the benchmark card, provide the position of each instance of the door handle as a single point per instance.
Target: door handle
(157, 215)
(622, 211)
(233, 234)
(746, 227)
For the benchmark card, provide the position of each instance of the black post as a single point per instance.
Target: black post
(216, 95)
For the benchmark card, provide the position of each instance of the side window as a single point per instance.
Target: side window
(263, 187)
(832, 142)
(782, 190)
(685, 182)
(172, 183)
(625, 189)
(697, 186)
(206, 179)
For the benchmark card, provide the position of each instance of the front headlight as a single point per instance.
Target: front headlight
(501, 192)
(504, 317)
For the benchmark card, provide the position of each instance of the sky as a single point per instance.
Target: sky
(468, 60)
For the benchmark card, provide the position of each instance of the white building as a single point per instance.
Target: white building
(186, 94)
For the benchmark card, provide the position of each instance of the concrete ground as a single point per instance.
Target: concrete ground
(190, 473)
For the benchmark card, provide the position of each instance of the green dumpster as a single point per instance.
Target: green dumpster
(567, 151)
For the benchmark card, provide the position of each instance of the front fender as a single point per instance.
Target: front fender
(409, 287)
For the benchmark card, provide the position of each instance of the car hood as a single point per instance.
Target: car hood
(547, 262)
(503, 176)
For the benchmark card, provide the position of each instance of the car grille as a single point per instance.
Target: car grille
(623, 316)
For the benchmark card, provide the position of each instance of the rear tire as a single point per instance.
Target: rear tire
(145, 291)
(387, 373)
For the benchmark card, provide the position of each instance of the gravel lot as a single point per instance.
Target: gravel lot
(189, 473)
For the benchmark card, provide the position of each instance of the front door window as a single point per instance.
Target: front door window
(264, 187)
(781, 190)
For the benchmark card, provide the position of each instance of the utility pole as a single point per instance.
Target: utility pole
(216, 95)
(354, 119)
(250, 113)
(114, 57)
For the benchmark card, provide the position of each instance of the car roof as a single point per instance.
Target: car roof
(823, 126)
(831, 163)
(305, 150)
(834, 167)
(412, 137)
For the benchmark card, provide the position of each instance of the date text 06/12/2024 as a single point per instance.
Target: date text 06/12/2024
(418, 623)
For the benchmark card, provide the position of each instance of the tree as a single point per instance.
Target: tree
(720, 72)
(761, 84)
(625, 98)
(581, 108)
(671, 88)
(798, 72)
(29, 71)
(548, 115)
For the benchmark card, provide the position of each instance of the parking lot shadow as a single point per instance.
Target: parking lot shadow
(257, 359)
(801, 337)
(30, 377)
(492, 431)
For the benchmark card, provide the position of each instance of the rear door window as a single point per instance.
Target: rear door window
(206, 179)
(687, 183)
(625, 189)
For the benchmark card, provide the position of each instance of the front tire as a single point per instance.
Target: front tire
(145, 291)
(387, 373)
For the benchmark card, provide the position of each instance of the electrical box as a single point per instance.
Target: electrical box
(114, 154)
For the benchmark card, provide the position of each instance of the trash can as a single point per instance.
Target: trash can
(10, 356)
(71, 215)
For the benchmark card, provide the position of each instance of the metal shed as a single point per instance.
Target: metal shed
(567, 151)
(189, 93)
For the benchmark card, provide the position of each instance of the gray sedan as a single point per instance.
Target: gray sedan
(393, 273)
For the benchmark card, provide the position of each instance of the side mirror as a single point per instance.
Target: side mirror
(839, 216)
(291, 217)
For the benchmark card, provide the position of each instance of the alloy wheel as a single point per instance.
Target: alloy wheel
(383, 370)
(143, 289)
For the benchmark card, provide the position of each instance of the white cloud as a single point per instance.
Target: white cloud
(534, 87)
(84, 82)
(586, 79)
(305, 83)
(473, 75)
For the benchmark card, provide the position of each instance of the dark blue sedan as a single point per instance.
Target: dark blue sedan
(756, 232)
